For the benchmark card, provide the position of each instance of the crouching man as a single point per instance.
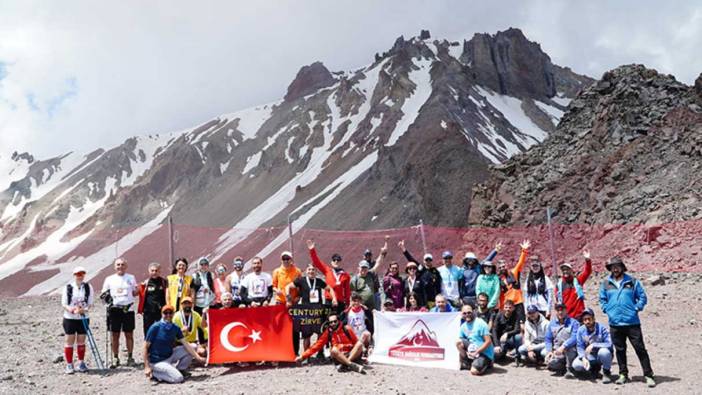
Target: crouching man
(594, 348)
(474, 345)
(162, 361)
(346, 349)
(560, 342)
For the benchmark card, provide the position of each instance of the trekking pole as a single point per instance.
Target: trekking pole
(550, 236)
(421, 232)
(93, 345)
(107, 332)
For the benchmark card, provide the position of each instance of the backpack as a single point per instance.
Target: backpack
(69, 292)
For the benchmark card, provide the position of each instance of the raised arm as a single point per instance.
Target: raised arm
(316, 262)
(522, 258)
(381, 257)
(588, 268)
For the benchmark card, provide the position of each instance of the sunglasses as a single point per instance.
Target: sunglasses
(411, 268)
(336, 260)
(333, 322)
(286, 258)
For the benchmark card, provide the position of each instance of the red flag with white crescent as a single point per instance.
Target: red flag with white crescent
(250, 335)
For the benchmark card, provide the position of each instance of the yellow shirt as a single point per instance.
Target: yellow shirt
(194, 323)
(174, 283)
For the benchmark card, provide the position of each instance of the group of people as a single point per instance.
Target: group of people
(505, 314)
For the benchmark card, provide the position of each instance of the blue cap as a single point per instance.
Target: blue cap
(447, 254)
(532, 309)
(587, 311)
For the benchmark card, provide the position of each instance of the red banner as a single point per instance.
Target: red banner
(250, 335)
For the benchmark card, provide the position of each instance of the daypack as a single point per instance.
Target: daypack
(69, 292)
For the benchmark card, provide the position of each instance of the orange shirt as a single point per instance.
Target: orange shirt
(283, 276)
(514, 293)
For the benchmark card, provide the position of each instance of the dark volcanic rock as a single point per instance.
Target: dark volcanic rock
(308, 80)
(628, 150)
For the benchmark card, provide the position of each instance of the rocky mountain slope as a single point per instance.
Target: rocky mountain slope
(402, 139)
(622, 173)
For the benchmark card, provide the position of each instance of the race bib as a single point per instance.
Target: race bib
(258, 287)
(121, 292)
(314, 296)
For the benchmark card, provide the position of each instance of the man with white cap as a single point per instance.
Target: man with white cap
(285, 274)
(569, 288)
(122, 288)
(429, 277)
(76, 300)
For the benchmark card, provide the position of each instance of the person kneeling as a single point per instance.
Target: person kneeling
(560, 342)
(474, 345)
(535, 329)
(162, 361)
(346, 349)
(506, 332)
(594, 348)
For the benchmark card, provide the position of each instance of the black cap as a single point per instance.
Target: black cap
(560, 306)
(336, 257)
(587, 311)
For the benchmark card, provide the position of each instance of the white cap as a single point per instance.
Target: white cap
(470, 255)
(286, 253)
(428, 256)
(79, 269)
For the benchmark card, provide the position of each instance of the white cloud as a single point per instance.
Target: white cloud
(84, 74)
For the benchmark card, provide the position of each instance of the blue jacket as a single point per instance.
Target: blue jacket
(556, 331)
(599, 338)
(470, 277)
(622, 304)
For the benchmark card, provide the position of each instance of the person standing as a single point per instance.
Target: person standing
(76, 300)
(221, 285)
(366, 284)
(451, 277)
(510, 283)
(594, 346)
(203, 285)
(257, 287)
(413, 286)
(285, 274)
(152, 296)
(621, 298)
(538, 288)
(489, 284)
(234, 279)
(122, 288)
(429, 276)
(394, 286)
(179, 283)
(335, 276)
(569, 288)
(162, 361)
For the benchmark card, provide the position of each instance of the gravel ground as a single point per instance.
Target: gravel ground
(33, 339)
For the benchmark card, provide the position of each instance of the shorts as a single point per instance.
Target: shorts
(120, 320)
(481, 364)
(74, 327)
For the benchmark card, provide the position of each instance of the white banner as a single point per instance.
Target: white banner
(416, 339)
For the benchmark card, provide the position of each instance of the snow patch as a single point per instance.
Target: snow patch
(224, 166)
(444, 125)
(251, 162)
(455, 51)
(511, 109)
(561, 99)
(554, 113)
(251, 119)
(412, 104)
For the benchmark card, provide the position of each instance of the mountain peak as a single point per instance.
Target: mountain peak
(308, 80)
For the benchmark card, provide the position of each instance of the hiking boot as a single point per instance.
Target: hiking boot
(69, 369)
(623, 379)
(650, 382)
(606, 377)
(357, 368)
(569, 375)
(82, 367)
(131, 362)
(115, 363)
(341, 368)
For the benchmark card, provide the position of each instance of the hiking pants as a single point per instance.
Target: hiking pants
(603, 358)
(633, 333)
(169, 369)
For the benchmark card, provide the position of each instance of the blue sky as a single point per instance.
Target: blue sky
(78, 75)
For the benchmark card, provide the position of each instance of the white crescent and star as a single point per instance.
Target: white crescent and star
(224, 337)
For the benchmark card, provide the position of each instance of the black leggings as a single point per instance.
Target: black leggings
(633, 333)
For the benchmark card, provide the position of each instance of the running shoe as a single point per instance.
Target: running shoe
(82, 367)
(69, 369)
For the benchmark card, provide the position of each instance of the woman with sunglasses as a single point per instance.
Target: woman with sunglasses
(221, 285)
(76, 299)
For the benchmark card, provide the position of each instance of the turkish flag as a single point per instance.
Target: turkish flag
(250, 335)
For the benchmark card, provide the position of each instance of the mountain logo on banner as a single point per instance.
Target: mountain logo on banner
(418, 344)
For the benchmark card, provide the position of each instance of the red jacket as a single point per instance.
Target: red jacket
(342, 287)
(339, 339)
(574, 305)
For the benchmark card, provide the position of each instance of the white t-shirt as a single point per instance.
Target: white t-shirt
(234, 284)
(204, 295)
(357, 321)
(121, 289)
(77, 299)
(257, 284)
